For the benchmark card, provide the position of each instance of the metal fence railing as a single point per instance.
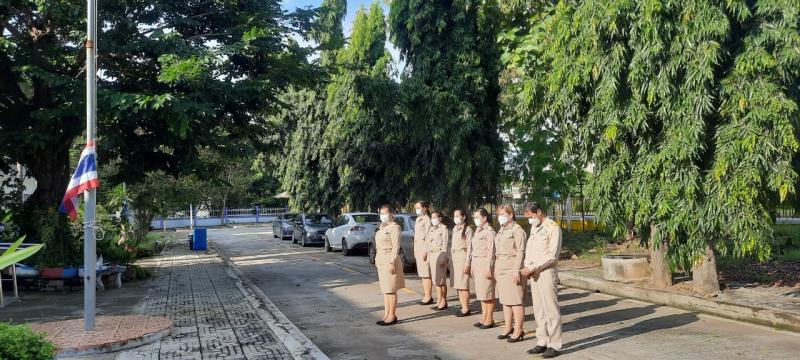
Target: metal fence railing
(205, 213)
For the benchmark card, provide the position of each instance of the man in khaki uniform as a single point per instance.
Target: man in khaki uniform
(541, 259)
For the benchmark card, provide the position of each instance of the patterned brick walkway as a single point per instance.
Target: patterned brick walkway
(214, 316)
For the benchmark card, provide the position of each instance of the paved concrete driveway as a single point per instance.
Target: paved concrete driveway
(335, 301)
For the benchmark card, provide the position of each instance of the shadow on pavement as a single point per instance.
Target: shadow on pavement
(587, 306)
(609, 317)
(572, 296)
(642, 327)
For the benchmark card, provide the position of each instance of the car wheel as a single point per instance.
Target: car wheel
(372, 253)
(327, 245)
(345, 250)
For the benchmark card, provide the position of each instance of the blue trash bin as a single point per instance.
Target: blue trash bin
(199, 239)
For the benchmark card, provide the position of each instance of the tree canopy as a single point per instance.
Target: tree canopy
(176, 77)
(687, 109)
(449, 98)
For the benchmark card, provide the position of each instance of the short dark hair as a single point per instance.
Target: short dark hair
(533, 207)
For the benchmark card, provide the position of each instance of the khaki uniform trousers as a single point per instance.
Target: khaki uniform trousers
(545, 309)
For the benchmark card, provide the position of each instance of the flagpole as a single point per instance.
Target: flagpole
(90, 196)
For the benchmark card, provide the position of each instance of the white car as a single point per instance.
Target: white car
(351, 231)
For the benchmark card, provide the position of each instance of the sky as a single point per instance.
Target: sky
(352, 7)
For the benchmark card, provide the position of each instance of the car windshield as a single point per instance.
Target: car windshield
(318, 220)
(366, 218)
(290, 217)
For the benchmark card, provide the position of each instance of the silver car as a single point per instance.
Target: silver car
(406, 222)
(351, 232)
(283, 225)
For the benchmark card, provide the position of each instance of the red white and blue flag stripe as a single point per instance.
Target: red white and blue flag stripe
(84, 178)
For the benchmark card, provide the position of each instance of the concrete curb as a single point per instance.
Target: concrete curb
(292, 338)
(117, 346)
(756, 315)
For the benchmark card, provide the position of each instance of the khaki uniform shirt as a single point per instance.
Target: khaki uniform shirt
(421, 228)
(438, 239)
(483, 243)
(544, 244)
(510, 243)
(459, 243)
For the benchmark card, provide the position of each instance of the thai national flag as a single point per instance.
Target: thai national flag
(85, 178)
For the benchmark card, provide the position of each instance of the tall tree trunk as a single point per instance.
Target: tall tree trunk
(704, 273)
(660, 276)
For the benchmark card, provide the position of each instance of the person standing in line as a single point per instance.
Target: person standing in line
(541, 260)
(481, 263)
(438, 257)
(387, 261)
(460, 253)
(509, 244)
(421, 228)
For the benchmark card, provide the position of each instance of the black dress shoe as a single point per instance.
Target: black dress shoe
(438, 308)
(477, 324)
(462, 314)
(484, 327)
(383, 323)
(537, 350)
(518, 339)
(550, 353)
(430, 301)
(505, 336)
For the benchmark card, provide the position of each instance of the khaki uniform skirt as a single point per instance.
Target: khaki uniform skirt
(484, 288)
(508, 292)
(438, 264)
(389, 282)
(458, 280)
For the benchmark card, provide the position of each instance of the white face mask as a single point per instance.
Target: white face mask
(384, 218)
(534, 221)
(458, 220)
(478, 221)
(434, 222)
(419, 211)
(502, 219)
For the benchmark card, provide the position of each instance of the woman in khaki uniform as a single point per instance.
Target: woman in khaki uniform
(481, 264)
(438, 257)
(460, 252)
(387, 261)
(421, 229)
(509, 244)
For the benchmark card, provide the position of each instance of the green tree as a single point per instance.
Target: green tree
(362, 119)
(449, 98)
(687, 110)
(304, 167)
(175, 77)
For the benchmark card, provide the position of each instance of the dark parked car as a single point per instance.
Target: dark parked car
(282, 226)
(310, 228)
